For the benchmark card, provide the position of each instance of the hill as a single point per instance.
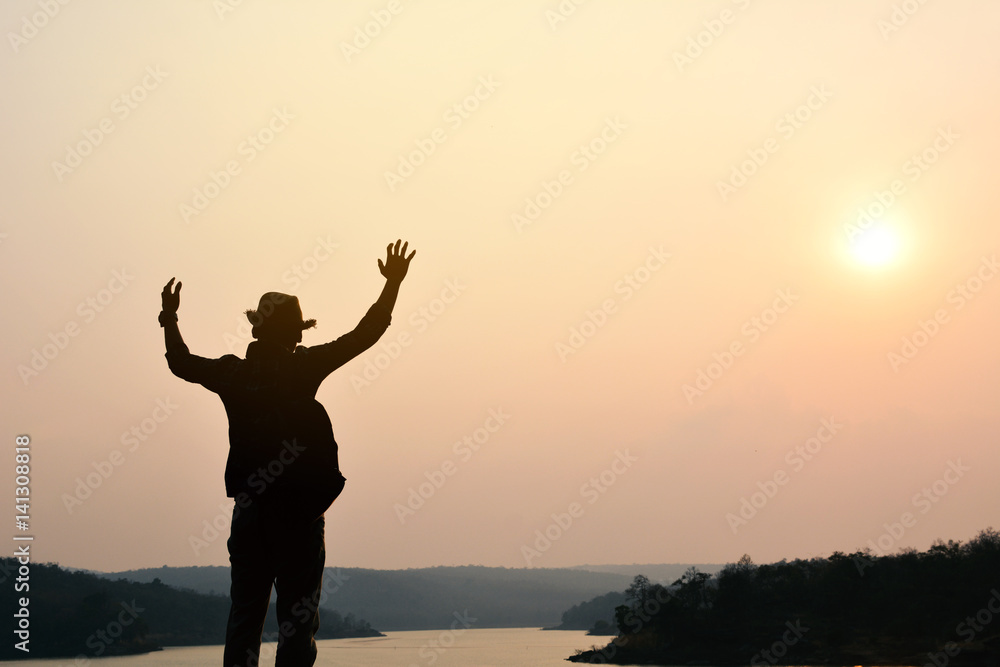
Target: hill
(76, 613)
(937, 607)
(428, 598)
(597, 616)
(663, 573)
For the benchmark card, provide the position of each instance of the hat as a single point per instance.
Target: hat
(277, 311)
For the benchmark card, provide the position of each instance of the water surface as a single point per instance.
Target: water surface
(507, 647)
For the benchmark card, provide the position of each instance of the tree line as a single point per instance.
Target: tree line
(939, 608)
(80, 614)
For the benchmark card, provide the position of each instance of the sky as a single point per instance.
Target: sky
(693, 280)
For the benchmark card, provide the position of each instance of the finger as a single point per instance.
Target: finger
(411, 255)
(403, 250)
(178, 290)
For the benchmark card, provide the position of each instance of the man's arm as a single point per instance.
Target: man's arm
(171, 301)
(209, 373)
(335, 354)
(394, 269)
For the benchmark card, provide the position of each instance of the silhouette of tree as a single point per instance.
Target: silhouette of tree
(858, 608)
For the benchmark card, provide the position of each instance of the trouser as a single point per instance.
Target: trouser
(264, 550)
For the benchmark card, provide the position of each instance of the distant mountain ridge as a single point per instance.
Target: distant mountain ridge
(429, 598)
(663, 573)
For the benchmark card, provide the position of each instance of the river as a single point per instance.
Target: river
(483, 647)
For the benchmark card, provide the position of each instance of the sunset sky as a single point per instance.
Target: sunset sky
(693, 279)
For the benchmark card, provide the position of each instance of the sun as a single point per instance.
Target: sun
(876, 247)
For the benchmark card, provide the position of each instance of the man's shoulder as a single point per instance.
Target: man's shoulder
(301, 351)
(183, 351)
(206, 371)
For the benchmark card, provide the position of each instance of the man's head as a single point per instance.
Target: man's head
(278, 319)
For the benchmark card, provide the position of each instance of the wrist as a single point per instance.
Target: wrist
(167, 317)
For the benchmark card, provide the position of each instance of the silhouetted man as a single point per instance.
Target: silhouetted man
(282, 469)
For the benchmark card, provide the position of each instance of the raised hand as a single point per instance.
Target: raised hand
(171, 299)
(396, 262)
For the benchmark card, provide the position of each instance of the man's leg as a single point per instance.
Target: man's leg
(298, 582)
(252, 576)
